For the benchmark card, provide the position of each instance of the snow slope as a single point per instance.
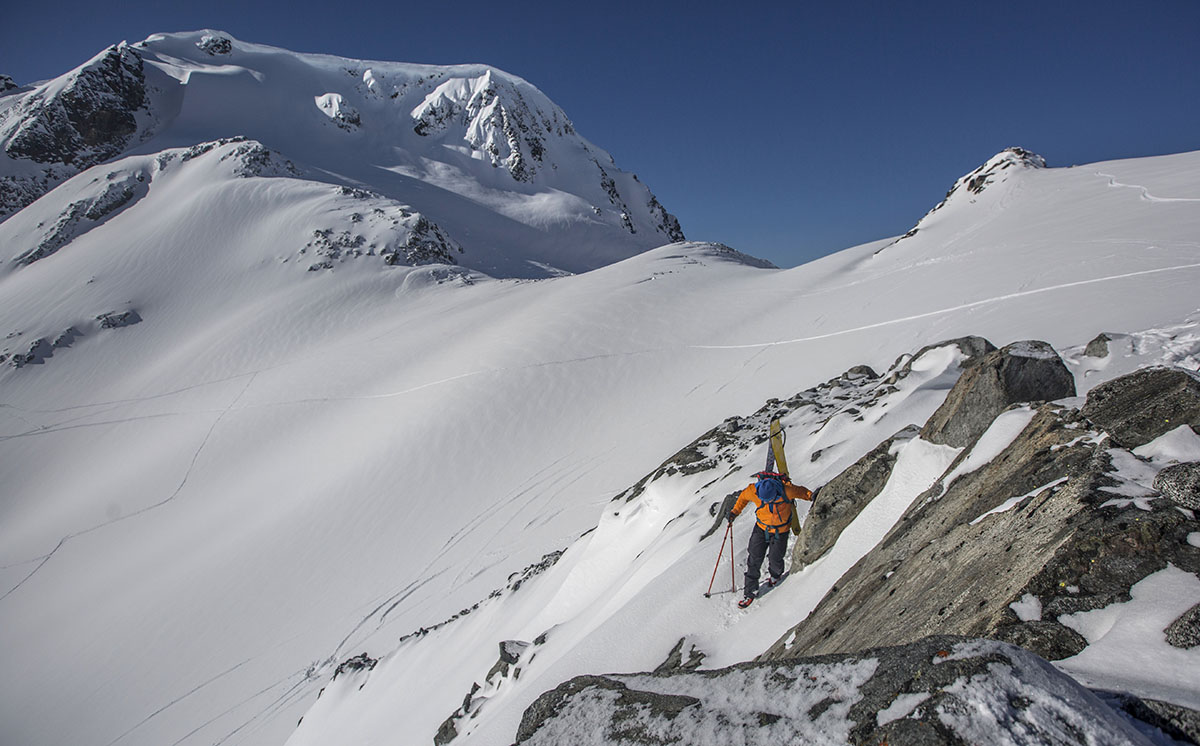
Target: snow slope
(271, 470)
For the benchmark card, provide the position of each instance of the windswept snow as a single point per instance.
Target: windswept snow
(1127, 643)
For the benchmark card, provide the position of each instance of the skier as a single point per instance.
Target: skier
(774, 494)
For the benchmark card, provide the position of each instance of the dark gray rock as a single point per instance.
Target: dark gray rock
(1184, 632)
(675, 661)
(1178, 722)
(360, 662)
(862, 371)
(7, 84)
(1180, 484)
(841, 499)
(1027, 371)
(119, 319)
(1050, 640)
(1137, 408)
(217, 46)
(510, 654)
(940, 690)
(1098, 347)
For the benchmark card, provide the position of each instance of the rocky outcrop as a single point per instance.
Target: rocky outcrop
(1180, 484)
(968, 187)
(7, 84)
(841, 499)
(216, 45)
(117, 192)
(91, 117)
(497, 121)
(1177, 722)
(1020, 372)
(88, 120)
(940, 690)
(1038, 532)
(1137, 408)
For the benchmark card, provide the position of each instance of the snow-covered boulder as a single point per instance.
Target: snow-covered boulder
(1020, 372)
(939, 690)
(7, 84)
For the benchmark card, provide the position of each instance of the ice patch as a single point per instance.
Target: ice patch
(1194, 538)
(1028, 609)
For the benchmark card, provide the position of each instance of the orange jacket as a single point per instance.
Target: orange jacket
(778, 520)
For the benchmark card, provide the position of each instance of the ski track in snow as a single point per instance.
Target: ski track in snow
(1146, 195)
(117, 403)
(176, 701)
(42, 560)
(951, 309)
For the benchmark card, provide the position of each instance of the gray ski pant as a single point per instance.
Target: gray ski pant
(763, 544)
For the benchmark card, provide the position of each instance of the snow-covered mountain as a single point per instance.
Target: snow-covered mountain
(494, 171)
(254, 423)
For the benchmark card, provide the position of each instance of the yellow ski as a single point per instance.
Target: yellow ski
(777, 440)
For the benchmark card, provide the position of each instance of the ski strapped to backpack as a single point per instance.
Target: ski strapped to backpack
(772, 495)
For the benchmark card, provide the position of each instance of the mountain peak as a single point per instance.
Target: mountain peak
(995, 170)
(484, 154)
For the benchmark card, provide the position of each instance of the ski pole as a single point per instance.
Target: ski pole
(732, 574)
(726, 538)
(728, 528)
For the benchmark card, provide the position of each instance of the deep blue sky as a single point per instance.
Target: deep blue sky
(787, 130)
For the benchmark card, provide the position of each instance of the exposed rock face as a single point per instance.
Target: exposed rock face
(1020, 372)
(88, 120)
(940, 690)
(1005, 550)
(841, 500)
(217, 46)
(1137, 408)
(498, 121)
(6, 84)
(360, 662)
(92, 118)
(1180, 484)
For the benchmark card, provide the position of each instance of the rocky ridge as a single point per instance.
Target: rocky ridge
(940, 690)
(1044, 515)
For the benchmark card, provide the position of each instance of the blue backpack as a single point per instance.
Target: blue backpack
(770, 490)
